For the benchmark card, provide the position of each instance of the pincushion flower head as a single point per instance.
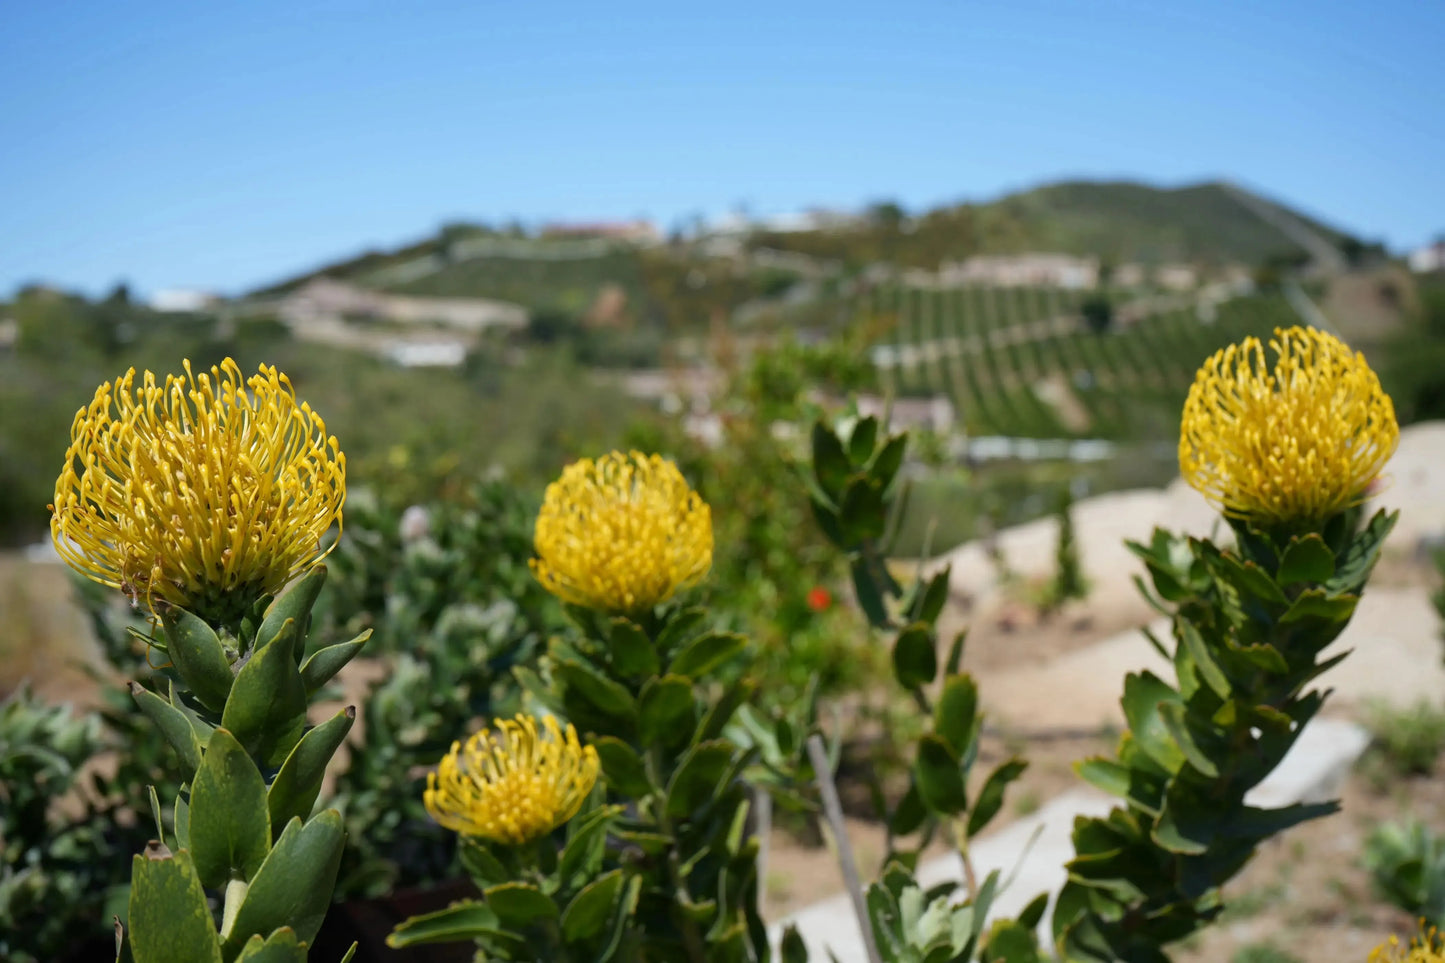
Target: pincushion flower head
(622, 533)
(1289, 444)
(1427, 947)
(205, 492)
(512, 784)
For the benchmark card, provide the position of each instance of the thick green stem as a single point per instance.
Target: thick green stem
(235, 896)
(691, 935)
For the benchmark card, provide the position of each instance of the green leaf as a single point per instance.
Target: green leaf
(915, 656)
(294, 790)
(679, 625)
(937, 775)
(605, 695)
(1033, 914)
(296, 605)
(862, 513)
(293, 887)
(889, 459)
(830, 463)
(519, 904)
(666, 713)
(582, 856)
(870, 597)
(990, 797)
(955, 717)
(325, 663)
(1173, 715)
(230, 828)
(588, 912)
(1204, 661)
(1249, 576)
(933, 596)
(697, 776)
(1314, 604)
(480, 864)
(706, 652)
(955, 653)
(464, 920)
(182, 818)
(533, 685)
(862, 440)
(199, 657)
(267, 708)
(1354, 564)
(909, 814)
(794, 950)
(1306, 559)
(723, 710)
(1143, 692)
(169, 919)
(622, 766)
(173, 724)
(281, 947)
(1105, 774)
(633, 656)
(1012, 942)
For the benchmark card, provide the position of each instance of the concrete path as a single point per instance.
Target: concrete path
(1397, 656)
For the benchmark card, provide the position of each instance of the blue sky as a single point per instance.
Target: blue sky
(225, 145)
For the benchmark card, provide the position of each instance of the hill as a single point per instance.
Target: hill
(1209, 223)
(1205, 224)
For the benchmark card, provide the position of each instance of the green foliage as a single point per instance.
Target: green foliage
(1413, 359)
(446, 590)
(56, 869)
(1407, 863)
(1249, 626)
(907, 923)
(653, 697)
(1068, 581)
(1097, 312)
(769, 555)
(1410, 738)
(913, 926)
(242, 729)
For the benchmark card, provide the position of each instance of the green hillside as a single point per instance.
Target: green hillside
(1116, 221)
(684, 284)
(1131, 222)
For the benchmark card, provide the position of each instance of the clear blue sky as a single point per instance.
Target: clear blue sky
(225, 145)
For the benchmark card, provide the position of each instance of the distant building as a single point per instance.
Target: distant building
(184, 300)
(324, 299)
(428, 354)
(1176, 277)
(635, 232)
(9, 333)
(1019, 270)
(906, 414)
(1431, 257)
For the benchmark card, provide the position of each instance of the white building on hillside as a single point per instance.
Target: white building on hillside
(1431, 257)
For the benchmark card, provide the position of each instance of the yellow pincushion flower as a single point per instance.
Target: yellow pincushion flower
(1291, 444)
(512, 784)
(205, 493)
(1425, 948)
(621, 533)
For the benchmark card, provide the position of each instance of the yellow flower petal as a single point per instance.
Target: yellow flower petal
(205, 493)
(622, 533)
(1294, 444)
(512, 784)
(1424, 948)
